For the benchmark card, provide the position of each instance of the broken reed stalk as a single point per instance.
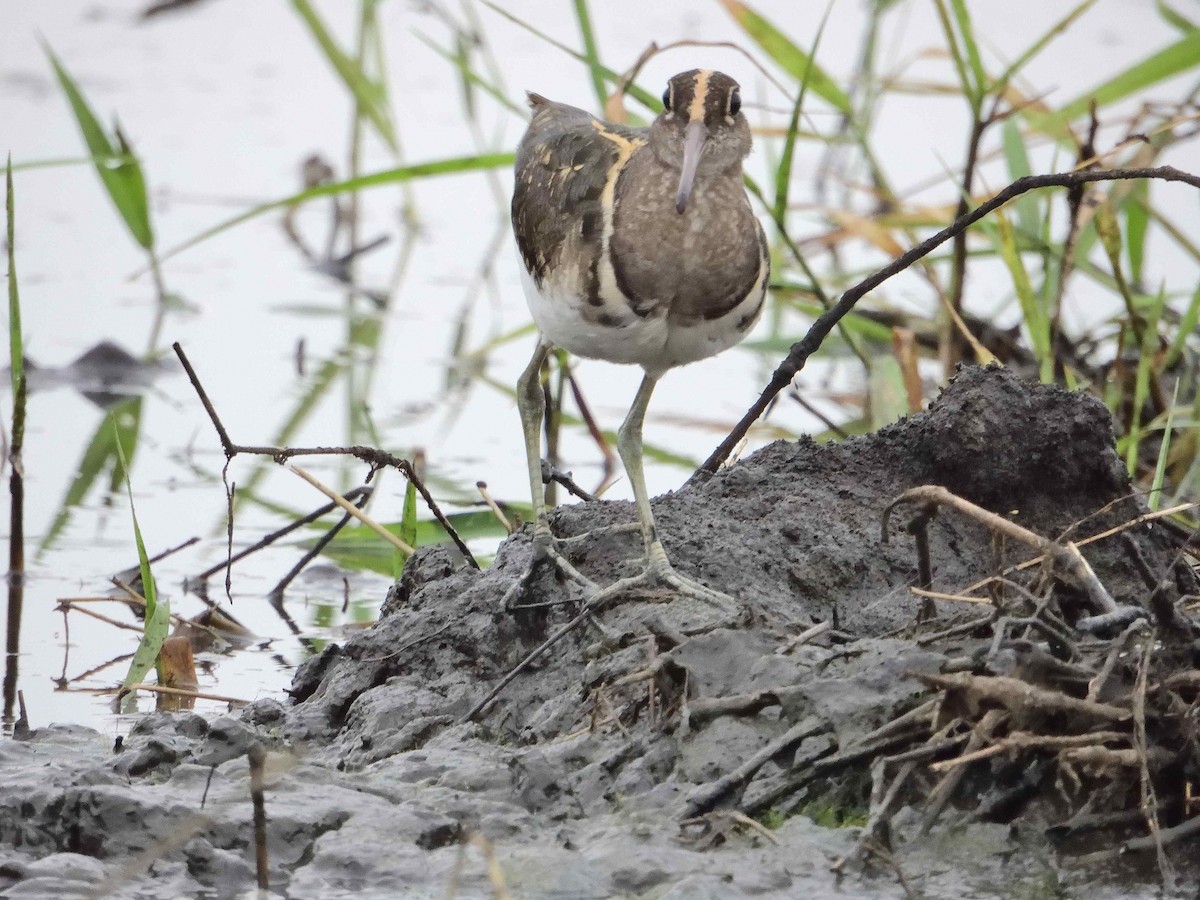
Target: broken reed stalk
(181, 692)
(800, 351)
(1067, 559)
(257, 756)
(373, 457)
(351, 510)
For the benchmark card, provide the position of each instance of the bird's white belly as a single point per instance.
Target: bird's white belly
(654, 343)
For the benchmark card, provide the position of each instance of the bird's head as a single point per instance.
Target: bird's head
(701, 130)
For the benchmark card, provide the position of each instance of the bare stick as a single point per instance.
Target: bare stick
(708, 795)
(372, 456)
(482, 487)
(1024, 740)
(180, 692)
(1020, 697)
(1067, 558)
(354, 511)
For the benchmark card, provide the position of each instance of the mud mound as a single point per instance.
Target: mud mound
(644, 753)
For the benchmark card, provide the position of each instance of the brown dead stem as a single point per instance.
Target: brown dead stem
(1068, 562)
(1020, 698)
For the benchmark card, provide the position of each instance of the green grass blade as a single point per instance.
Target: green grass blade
(956, 55)
(790, 58)
(783, 172)
(368, 94)
(591, 53)
(1037, 323)
(358, 547)
(470, 77)
(1154, 498)
(408, 530)
(1187, 326)
(118, 168)
(1136, 207)
(1016, 156)
(1182, 56)
(1175, 18)
(888, 395)
(966, 32)
(16, 342)
(376, 179)
(1141, 387)
(158, 611)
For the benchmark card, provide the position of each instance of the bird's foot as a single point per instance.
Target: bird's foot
(692, 602)
(545, 553)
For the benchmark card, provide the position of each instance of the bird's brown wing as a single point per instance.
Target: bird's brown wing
(562, 164)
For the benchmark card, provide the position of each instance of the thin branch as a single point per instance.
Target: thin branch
(377, 459)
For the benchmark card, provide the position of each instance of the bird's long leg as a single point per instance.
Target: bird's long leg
(658, 566)
(629, 445)
(532, 405)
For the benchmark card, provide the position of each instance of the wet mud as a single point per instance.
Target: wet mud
(654, 751)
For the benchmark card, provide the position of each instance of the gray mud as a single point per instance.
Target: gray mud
(581, 778)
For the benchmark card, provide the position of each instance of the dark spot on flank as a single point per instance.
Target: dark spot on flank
(608, 320)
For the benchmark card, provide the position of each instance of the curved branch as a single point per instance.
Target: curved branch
(808, 345)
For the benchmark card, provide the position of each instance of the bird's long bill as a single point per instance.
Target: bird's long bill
(694, 137)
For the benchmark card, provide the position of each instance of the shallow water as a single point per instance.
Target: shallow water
(223, 103)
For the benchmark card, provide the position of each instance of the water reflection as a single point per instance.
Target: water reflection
(107, 374)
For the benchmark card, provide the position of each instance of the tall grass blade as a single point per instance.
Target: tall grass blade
(368, 94)
(1016, 156)
(16, 473)
(966, 31)
(790, 58)
(957, 57)
(158, 611)
(376, 179)
(408, 530)
(1182, 56)
(1141, 387)
(591, 53)
(1136, 206)
(1037, 323)
(1187, 327)
(646, 98)
(783, 173)
(470, 77)
(1041, 43)
(117, 166)
(1154, 498)
(1175, 18)
(16, 341)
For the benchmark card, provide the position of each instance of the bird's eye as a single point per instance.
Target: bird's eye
(667, 99)
(735, 102)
